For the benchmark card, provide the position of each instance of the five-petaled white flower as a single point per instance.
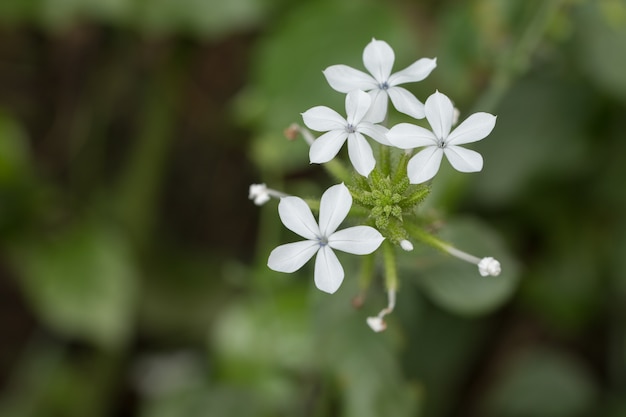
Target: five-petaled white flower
(338, 129)
(378, 58)
(321, 240)
(440, 113)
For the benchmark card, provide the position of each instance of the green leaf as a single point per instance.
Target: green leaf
(542, 383)
(14, 152)
(540, 135)
(81, 282)
(600, 42)
(457, 285)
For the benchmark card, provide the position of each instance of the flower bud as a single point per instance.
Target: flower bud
(406, 245)
(489, 266)
(259, 193)
(376, 323)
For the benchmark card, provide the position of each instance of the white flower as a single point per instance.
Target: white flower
(440, 113)
(338, 129)
(378, 58)
(321, 240)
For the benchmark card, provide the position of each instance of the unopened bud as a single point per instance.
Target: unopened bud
(376, 323)
(292, 131)
(259, 193)
(489, 266)
(406, 245)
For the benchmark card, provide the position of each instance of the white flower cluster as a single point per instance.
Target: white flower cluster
(366, 107)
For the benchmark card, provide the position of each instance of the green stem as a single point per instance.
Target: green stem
(141, 178)
(425, 237)
(367, 272)
(391, 271)
(384, 160)
(517, 61)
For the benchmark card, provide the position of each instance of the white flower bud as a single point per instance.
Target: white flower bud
(259, 193)
(489, 266)
(406, 245)
(376, 323)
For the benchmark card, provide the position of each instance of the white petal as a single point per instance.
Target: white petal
(361, 154)
(376, 132)
(378, 108)
(405, 102)
(359, 240)
(323, 119)
(439, 112)
(417, 71)
(357, 104)
(328, 270)
(378, 58)
(327, 146)
(409, 136)
(344, 79)
(473, 129)
(297, 217)
(334, 207)
(424, 165)
(292, 256)
(463, 160)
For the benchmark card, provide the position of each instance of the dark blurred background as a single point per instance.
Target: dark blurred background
(132, 265)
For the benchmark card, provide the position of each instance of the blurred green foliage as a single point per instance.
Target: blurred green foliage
(132, 266)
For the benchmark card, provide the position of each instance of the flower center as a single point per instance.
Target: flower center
(384, 85)
(350, 128)
(441, 143)
(322, 240)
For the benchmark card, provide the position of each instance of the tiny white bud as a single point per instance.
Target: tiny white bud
(406, 245)
(376, 323)
(489, 266)
(259, 193)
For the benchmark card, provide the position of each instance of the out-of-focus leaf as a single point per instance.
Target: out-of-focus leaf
(13, 11)
(272, 333)
(456, 285)
(287, 74)
(60, 13)
(17, 183)
(199, 17)
(14, 152)
(48, 380)
(363, 363)
(601, 37)
(81, 282)
(539, 135)
(177, 384)
(565, 288)
(542, 383)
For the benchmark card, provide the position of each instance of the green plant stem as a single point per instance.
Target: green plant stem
(425, 237)
(391, 270)
(140, 181)
(367, 272)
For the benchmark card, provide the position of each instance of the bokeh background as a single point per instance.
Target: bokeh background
(132, 264)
